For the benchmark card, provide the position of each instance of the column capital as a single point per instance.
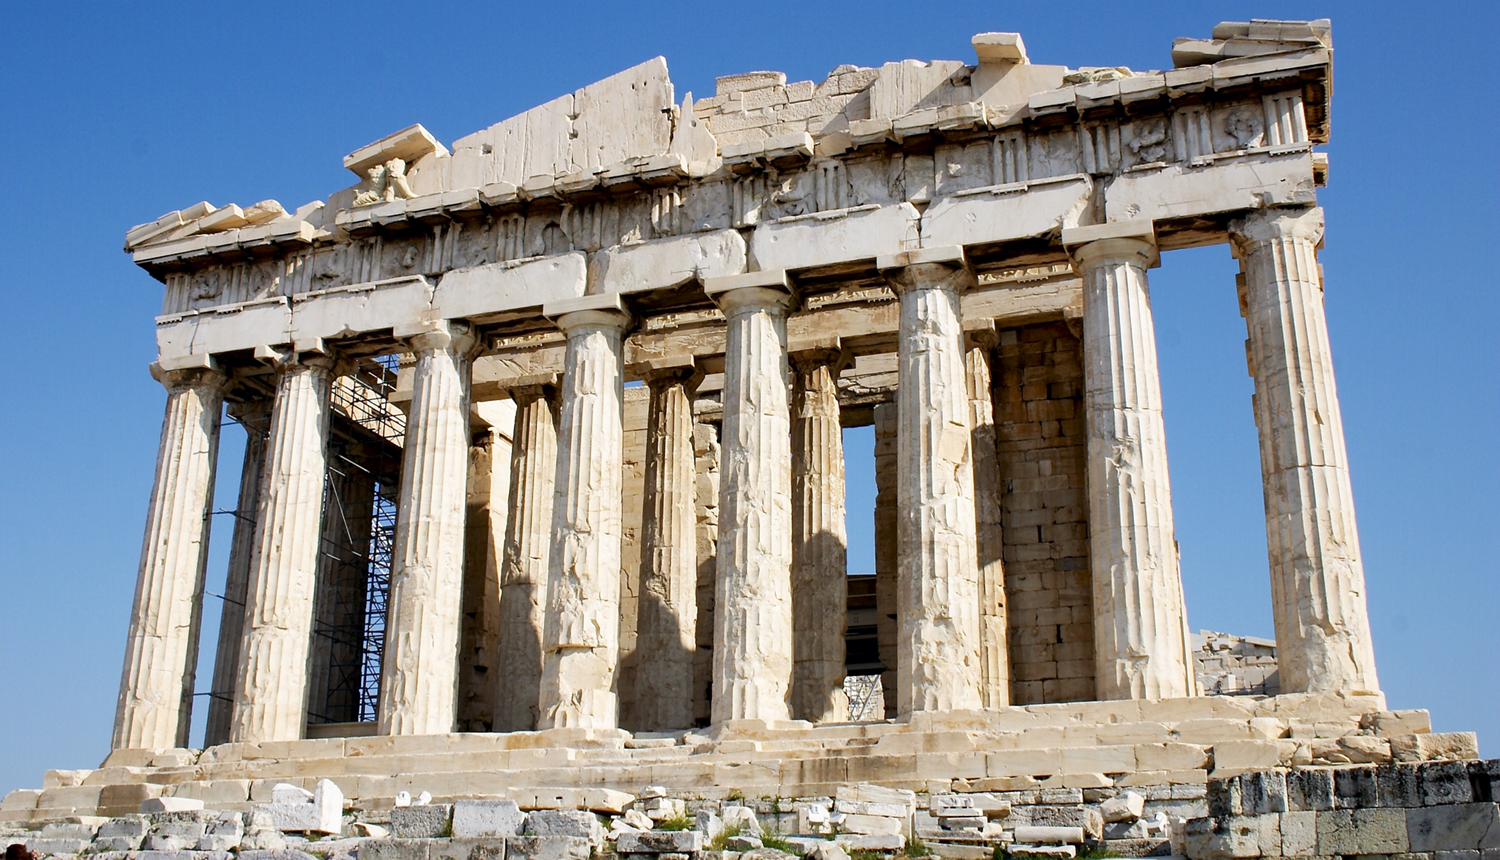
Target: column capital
(809, 353)
(1131, 242)
(751, 291)
(196, 371)
(454, 335)
(1266, 225)
(666, 370)
(532, 389)
(944, 267)
(606, 311)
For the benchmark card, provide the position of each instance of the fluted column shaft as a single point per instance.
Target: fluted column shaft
(887, 552)
(271, 695)
(580, 650)
(753, 596)
(994, 644)
(667, 630)
(419, 670)
(820, 574)
(524, 574)
(1140, 635)
(255, 417)
(161, 651)
(938, 569)
(1317, 574)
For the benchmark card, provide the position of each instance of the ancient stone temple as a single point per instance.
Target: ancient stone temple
(543, 496)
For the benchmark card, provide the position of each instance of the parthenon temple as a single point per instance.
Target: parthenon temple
(544, 487)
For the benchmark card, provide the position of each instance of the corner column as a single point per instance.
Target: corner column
(667, 631)
(161, 652)
(1317, 574)
(938, 580)
(753, 597)
(255, 417)
(994, 633)
(271, 695)
(1140, 630)
(581, 638)
(820, 570)
(524, 576)
(419, 675)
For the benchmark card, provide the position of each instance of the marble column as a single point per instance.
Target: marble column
(255, 417)
(1317, 574)
(753, 597)
(994, 644)
(419, 670)
(523, 575)
(667, 627)
(938, 568)
(1140, 647)
(820, 573)
(580, 651)
(161, 651)
(887, 551)
(271, 693)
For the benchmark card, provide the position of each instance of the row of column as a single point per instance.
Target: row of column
(560, 581)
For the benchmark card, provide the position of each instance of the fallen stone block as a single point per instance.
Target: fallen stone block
(422, 822)
(482, 848)
(296, 810)
(660, 842)
(56, 844)
(572, 823)
(1435, 746)
(708, 823)
(862, 842)
(743, 843)
(1087, 819)
(1062, 851)
(1126, 806)
(974, 822)
(474, 818)
(862, 807)
(391, 849)
(533, 847)
(872, 825)
(742, 817)
(1049, 834)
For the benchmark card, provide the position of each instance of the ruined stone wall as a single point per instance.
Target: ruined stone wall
(1042, 446)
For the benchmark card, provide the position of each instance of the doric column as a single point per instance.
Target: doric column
(1317, 575)
(270, 697)
(820, 574)
(887, 551)
(994, 645)
(580, 649)
(161, 652)
(523, 575)
(255, 417)
(1140, 647)
(938, 585)
(419, 669)
(667, 629)
(753, 598)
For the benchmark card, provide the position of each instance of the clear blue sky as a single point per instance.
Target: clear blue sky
(116, 113)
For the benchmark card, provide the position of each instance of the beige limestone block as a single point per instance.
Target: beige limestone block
(938, 588)
(753, 645)
(271, 692)
(419, 676)
(667, 631)
(580, 638)
(819, 543)
(994, 646)
(1141, 643)
(887, 542)
(524, 575)
(255, 417)
(1317, 574)
(161, 652)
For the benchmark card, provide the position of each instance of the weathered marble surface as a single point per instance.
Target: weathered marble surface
(994, 619)
(156, 686)
(1317, 573)
(271, 693)
(580, 650)
(419, 669)
(1140, 633)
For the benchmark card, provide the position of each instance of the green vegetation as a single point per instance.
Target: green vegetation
(772, 839)
(915, 848)
(720, 842)
(676, 822)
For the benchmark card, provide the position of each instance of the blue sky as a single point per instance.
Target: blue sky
(114, 116)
